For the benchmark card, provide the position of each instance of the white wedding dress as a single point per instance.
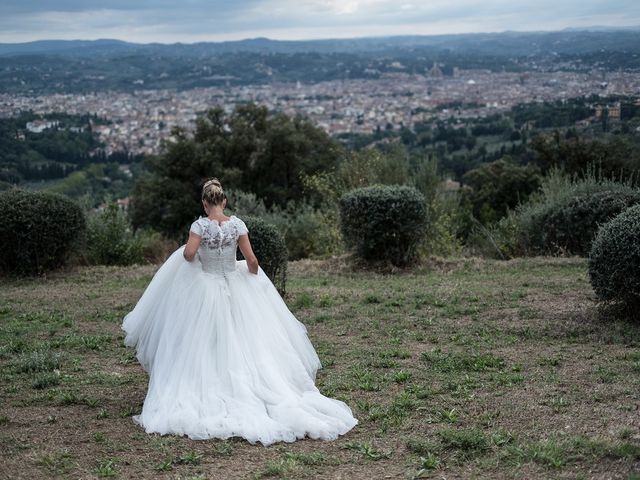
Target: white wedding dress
(224, 354)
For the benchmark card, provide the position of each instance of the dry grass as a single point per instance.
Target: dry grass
(461, 368)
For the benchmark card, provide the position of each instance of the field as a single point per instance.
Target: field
(462, 368)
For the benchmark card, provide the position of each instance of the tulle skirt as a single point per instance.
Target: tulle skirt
(227, 358)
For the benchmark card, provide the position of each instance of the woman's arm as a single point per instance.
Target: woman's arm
(191, 247)
(247, 251)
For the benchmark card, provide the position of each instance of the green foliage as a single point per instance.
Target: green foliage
(95, 183)
(614, 261)
(270, 248)
(308, 231)
(571, 227)
(52, 153)
(316, 231)
(527, 229)
(155, 248)
(615, 156)
(391, 167)
(552, 114)
(497, 187)
(447, 218)
(249, 150)
(373, 167)
(384, 223)
(38, 231)
(245, 204)
(110, 241)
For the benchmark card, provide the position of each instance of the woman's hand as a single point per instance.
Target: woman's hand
(247, 252)
(192, 246)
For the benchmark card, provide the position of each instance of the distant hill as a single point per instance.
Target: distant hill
(54, 66)
(504, 43)
(69, 47)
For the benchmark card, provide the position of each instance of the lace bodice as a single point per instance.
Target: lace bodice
(217, 251)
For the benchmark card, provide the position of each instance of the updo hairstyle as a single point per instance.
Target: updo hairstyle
(212, 192)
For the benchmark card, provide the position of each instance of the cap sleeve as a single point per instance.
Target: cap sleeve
(242, 227)
(196, 227)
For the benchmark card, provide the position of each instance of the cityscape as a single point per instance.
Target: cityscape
(138, 122)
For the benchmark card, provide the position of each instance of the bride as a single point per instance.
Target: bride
(225, 356)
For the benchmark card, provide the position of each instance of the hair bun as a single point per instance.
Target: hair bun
(212, 192)
(212, 181)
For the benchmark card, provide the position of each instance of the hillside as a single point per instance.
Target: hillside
(87, 66)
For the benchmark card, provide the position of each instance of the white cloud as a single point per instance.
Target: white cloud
(199, 20)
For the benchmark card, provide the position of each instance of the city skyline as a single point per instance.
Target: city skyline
(200, 20)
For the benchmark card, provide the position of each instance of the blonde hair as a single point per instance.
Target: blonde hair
(212, 192)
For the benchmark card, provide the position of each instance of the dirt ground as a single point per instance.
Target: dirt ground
(461, 368)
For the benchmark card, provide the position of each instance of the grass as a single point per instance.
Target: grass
(367, 450)
(55, 463)
(460, 369)
(293, 465)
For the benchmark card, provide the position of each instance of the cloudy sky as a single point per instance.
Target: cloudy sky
(215, 20)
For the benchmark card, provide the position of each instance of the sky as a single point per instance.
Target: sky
(189, 21)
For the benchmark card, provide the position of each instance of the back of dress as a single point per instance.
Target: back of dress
(217, 251)
(225, 355)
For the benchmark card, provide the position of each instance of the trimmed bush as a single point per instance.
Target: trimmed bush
(384, 223)
(269, 246)
(570, 227)
(38, 231)
(110, 241)
(614, 261)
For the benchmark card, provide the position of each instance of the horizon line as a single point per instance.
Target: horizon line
(593, 29)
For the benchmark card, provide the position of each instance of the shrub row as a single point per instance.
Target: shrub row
(43, 231)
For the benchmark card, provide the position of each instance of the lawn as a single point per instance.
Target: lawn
(459, 369)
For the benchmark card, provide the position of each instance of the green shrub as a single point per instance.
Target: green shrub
(373, 167)
(571, 227)
(614, 261)
(308, 232)
(502, 239)
(445, 215)
(155, 248)
(38, 231)
(497, 187)
(269, 246)
(384, 223)
(245, 204)
(536, 227)
(110, 241)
